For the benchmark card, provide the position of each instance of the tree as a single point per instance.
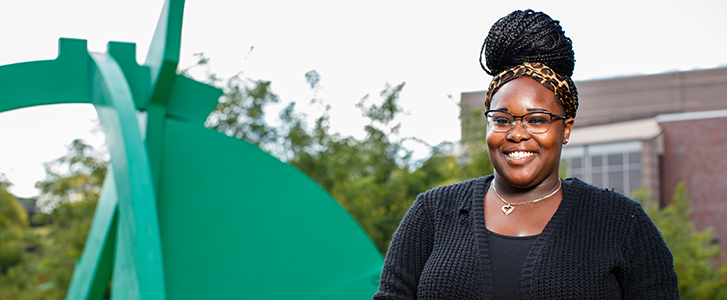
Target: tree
(241, 110)
(13, 225)
(4, 182)
(75, 177)
(68, 198)
(695, 254)
(477, 161)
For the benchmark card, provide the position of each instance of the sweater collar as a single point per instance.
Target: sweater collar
(476, 205)
(480, 188)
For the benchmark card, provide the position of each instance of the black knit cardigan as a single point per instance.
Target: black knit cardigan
(599, 245)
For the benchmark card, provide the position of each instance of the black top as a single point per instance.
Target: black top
(599, 244)
(508, 255)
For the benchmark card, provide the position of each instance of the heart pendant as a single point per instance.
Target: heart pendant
(507, 209)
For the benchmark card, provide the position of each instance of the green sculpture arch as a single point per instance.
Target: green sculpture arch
(174, 220)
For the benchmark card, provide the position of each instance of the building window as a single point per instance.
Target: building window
(573, 166)
(616, 166)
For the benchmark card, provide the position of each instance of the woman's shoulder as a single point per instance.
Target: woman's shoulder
(596, 197)
(457, 186)
(455, 194)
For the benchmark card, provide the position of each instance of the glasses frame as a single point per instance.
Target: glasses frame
(514, 120)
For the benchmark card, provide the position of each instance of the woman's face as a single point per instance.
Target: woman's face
(520, 158)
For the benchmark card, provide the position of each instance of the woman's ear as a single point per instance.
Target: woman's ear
(567, 128)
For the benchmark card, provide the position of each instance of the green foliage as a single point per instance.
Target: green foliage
(477, 161)
(12, 213)
(65, 239)
(13, 224)
(695, 254)
(312, 78)
(18, 246)
(388, 110)
(43, 268)
(75, 177)
(240, 112)
(4, 182)
(473, 125)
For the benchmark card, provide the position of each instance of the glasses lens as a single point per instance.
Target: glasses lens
(537, 122)
(500, 121)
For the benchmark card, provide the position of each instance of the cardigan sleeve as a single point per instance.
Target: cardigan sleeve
(408, 253)
(649, 273)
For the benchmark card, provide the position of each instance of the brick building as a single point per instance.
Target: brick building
(651, 131)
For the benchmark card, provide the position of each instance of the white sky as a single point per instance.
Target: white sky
(356, 46)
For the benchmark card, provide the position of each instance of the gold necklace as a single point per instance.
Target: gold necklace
(509, 207)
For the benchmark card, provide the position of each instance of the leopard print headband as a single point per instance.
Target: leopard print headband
(563, 86)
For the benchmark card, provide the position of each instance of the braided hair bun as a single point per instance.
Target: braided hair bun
(527, 36)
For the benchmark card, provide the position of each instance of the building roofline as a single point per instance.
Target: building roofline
(720, 68)
(634, 130)
(687, 116)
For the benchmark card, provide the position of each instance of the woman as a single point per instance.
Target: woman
(523, 233)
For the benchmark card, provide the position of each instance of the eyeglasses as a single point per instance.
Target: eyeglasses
(534, 122)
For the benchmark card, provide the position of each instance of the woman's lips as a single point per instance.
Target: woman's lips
(518, 155)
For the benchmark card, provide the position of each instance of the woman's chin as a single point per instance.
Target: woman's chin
(522, 182)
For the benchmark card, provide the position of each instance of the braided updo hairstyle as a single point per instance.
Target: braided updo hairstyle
(527, 36)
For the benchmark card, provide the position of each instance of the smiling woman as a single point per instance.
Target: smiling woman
(524, 233)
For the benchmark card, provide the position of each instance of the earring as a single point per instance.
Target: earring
(565, 142)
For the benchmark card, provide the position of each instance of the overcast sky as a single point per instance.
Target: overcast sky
(356, 46)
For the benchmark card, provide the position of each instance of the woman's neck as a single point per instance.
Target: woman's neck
(514, 194)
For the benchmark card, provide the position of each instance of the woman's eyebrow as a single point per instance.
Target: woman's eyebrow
(536, 109)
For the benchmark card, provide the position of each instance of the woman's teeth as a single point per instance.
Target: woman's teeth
(519, 154)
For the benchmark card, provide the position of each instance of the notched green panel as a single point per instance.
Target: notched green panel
(63, 80)
(234, 219)
(192, 101)
(138, 77)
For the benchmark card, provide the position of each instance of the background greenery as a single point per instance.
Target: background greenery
(374, 178)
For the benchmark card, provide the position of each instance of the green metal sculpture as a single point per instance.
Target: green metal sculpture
(175, 220)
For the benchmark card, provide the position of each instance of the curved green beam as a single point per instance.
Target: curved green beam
(92, 274)
(138, 249)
